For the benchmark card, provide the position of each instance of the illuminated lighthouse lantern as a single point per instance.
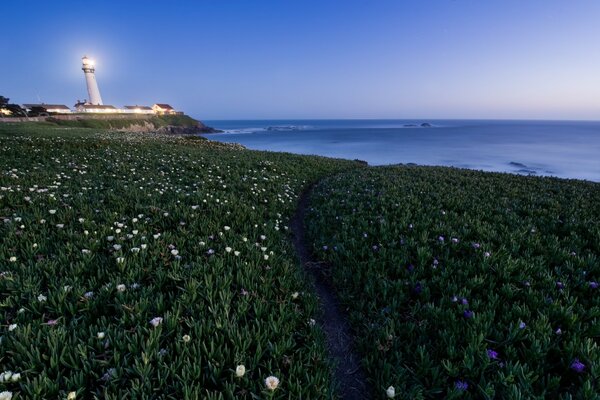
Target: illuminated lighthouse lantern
(90, 80)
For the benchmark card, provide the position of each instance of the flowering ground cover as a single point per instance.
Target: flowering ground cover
(141, 266)
(463, 284)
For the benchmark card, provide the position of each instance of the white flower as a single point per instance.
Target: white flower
(186, 338)
(228, 249)
(174, 252)
(110, 238)
(295, 295)
(227, 227)
(143, 246)
(266, 257)
(117, 247)
(81, 220)
(5, 395)
(390, 392)
(72, 396)
(135, 249)
(156, 321)
(156, 236)
(5, 376)
(86, 251)
(120, 260)
(240, 370)
(271, 382)
(52, 212)
(121, 288)
(41, 298)
(12, 259)
(237, 253)
(100, 335)
(311, 322)
(263, 237)
(60, 226)
(15, 377)
(12, 327)
(66, 288)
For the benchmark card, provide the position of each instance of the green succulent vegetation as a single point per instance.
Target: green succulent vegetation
(157, 121)
(464, 284)
(146, 266)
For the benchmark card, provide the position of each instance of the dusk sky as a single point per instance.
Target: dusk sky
(312, 59)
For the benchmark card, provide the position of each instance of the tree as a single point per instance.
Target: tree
(3, 100)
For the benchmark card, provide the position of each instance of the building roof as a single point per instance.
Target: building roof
(164, 106)
(138, 108)
(48, 106)
(99, 107)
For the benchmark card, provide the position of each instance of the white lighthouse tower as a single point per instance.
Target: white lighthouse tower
(90, 80)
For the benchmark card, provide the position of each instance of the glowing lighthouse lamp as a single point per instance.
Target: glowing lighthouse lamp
(90, 79)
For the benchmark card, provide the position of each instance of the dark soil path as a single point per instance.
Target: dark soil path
(349, 375)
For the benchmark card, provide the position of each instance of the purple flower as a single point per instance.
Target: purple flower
(468, 314)
(417, 289)
(560, 285)
(492, 354)
(461, 386)
(410, 267)
(454, 240)
(454, 299)
(577, 366)
(594, 285)
(476, 245)
(325, 248)
(464, 301)
(558, 331)
(522, 325)
(441, 238)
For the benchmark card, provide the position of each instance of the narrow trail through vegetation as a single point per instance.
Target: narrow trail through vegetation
(348, 374)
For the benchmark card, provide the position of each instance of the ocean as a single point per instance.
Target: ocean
(566, 149)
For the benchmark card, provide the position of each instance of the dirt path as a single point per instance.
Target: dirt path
(349, 375)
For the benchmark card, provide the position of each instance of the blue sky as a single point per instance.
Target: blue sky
(536, 59)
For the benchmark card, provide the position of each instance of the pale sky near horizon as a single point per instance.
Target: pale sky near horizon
(537, 59)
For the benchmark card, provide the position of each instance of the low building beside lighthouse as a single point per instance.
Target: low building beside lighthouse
(138, 110)
(94, 108)
(164, 109)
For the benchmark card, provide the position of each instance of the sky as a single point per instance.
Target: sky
(234, 59)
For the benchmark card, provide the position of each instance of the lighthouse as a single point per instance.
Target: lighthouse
(90, 80)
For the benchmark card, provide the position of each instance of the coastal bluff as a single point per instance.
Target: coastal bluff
(165, 124)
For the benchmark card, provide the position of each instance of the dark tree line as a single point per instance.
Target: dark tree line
(15, 109)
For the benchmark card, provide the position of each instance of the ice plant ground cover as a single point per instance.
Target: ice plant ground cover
(464, 284)
(141, 266)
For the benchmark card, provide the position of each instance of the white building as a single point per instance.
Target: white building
(49, 108)
(137, 110)
(89, 70)
(92, 108)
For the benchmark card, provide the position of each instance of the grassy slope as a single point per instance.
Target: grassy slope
(111, 230)
(524, 260)
(158, 121)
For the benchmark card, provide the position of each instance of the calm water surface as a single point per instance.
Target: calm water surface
(567, 149)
